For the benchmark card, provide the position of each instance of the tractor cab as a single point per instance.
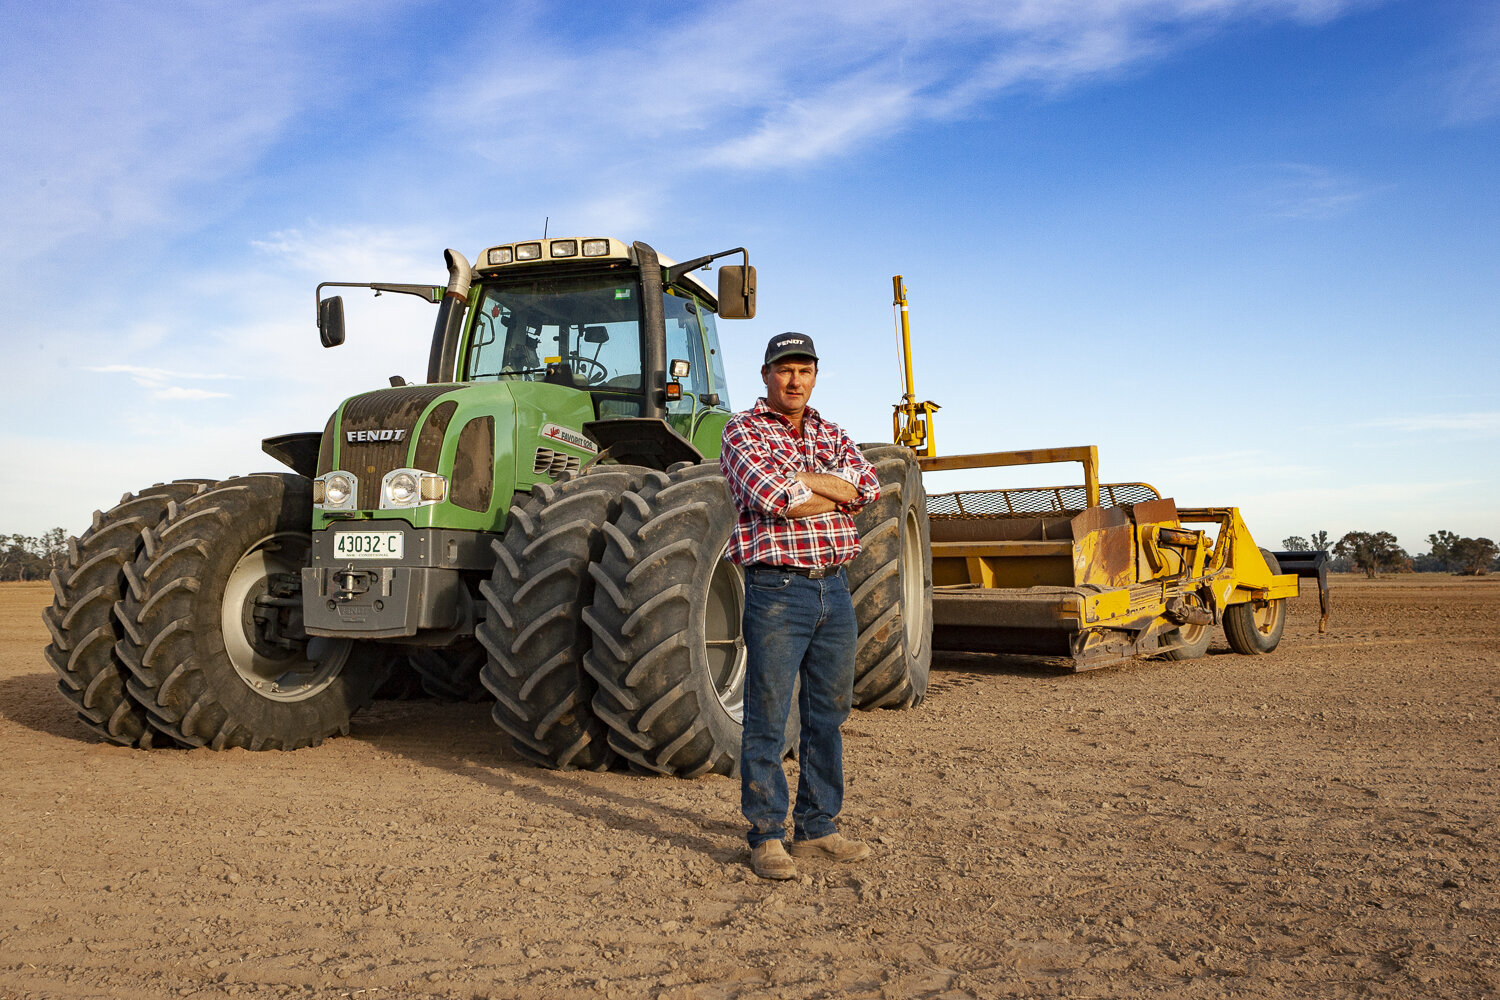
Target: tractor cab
(641, 348)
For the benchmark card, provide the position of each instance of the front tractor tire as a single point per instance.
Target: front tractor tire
(213, 623)
(81, 618)
(534, 630)
(891, 583)
(668, 653)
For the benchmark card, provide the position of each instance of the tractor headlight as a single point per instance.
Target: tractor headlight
(528, 251)
(401, 489)
(596, 248)
(563, 248)
(412, 488)
(500, 255)
(335, 491)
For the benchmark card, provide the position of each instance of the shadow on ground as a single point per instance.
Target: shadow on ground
(461, 739)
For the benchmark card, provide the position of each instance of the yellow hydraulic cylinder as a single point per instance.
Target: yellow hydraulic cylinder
(911, 423)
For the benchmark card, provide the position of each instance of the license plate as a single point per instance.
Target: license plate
(367, 544)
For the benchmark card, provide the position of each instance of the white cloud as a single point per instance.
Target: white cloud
(763, 85)
(1471, 75)
(356, 250)
(117, 112)
(154, 376)
(1302, 191)
(1482, 423)
(178, 392)
(155, 381)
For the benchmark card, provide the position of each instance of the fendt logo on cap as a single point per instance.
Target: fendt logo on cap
(375, 437)
(790, 340)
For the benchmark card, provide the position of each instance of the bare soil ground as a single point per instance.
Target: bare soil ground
(1319, 822)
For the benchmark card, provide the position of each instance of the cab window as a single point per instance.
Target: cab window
(587, 328)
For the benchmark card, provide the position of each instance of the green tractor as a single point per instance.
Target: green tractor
(544, 519)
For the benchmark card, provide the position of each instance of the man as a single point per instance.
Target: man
(795, 478)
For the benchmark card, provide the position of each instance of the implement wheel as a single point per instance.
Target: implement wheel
(891, 583)
(668, 651)
(534, 633)
(1255, 628)
(213, 623)
(81, 618)
(1186, 642)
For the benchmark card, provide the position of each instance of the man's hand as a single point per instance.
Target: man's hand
(828, 487)
(814, 504)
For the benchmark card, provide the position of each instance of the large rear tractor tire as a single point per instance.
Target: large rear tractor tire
(891, 582)
(81, 618)
(213, 623)
(534, 631)
(451, 673)
(668, 652)
(1252, 630)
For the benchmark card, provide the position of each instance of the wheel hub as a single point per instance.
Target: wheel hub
(724, 632)
(262, 624)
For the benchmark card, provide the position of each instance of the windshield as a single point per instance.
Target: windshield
(587, 328)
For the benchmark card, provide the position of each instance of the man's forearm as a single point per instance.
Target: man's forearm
(815, 504)
(828, 486)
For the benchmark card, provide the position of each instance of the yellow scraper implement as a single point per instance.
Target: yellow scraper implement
(1093, 573)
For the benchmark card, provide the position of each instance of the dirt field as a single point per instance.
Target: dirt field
(1320, 822)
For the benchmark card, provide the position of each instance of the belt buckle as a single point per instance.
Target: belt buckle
(819, 572)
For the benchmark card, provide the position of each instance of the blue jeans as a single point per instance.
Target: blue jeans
(795, 628)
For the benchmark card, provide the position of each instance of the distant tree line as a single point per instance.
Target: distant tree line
(1374, 551)
(23, 557)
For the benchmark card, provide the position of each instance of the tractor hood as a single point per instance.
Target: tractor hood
(485, 439)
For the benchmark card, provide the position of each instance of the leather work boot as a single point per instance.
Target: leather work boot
(834, 847)
(770, 860)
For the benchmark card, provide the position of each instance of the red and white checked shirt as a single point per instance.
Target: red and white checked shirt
(761, 458)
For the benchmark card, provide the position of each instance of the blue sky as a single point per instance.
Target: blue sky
(1250, 248)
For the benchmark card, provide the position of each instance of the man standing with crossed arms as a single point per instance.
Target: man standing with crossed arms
(796, 479)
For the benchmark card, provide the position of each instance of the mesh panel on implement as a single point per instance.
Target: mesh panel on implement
(1033, 501)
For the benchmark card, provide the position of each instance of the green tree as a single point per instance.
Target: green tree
(1472, 556)
(1296, 543)
(1321, 541)
(1442, 543)
(1372, 551)
(52, 549)
(23, 557)
(15, 552)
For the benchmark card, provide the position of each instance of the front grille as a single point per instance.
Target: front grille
(396, 408)
(552, 464)
(1034, 501)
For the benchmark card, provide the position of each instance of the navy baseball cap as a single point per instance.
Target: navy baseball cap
(787, 344)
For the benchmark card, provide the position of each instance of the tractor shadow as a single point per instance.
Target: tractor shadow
(33, 701)
(461, 739)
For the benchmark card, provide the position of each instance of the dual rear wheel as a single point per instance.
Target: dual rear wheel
(614, 625)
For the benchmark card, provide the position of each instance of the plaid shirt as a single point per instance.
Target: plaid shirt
(761, 457)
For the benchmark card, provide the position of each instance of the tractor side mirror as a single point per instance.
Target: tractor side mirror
(737, 291)
(331, 321)
(595, 335)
